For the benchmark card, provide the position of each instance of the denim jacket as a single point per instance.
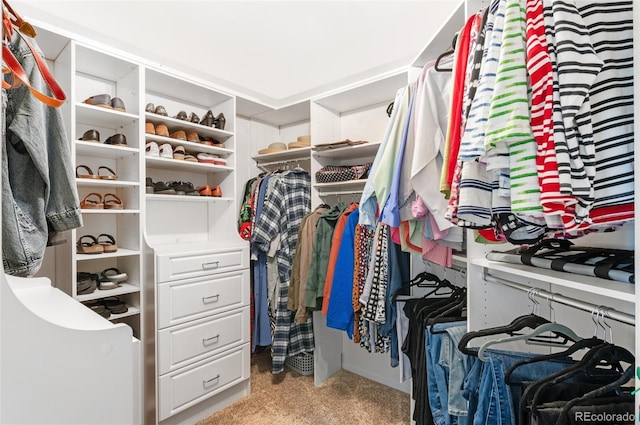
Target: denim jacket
(38, 186)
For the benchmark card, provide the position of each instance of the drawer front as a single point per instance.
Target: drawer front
(178, 266)
(180, 390)
(181, 345)
(179, 302)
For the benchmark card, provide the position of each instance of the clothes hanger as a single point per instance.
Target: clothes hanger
(531, 320)
(444, 314)
(438, 66)
(419, 281)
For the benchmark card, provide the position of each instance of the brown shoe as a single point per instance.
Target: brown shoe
(162, 130)
(193, 137)
(149, 128)
(216, 191)
(180, 135)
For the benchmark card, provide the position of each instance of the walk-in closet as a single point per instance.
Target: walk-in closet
(319, 212)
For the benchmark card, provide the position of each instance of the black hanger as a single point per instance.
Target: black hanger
(521, 322)
(606, 355)
(446, 54)
(582, 344)
(444, 314)
(418, 280)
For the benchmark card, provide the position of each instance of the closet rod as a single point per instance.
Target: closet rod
(559, 298)
(352, 192)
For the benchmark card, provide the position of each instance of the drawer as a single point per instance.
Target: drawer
(183, 266)
(181, 345)
(182, 301)
(186, 387)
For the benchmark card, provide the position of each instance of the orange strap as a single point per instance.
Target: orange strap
(13, 66)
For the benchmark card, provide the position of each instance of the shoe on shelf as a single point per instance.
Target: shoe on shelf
(204, 190)
(152, 150)
(149, 128)
(118, 104)
(190, 157)
(179, 187)
(107, 242)
(180, 135)
(148, 185)
(220, 121)
(166, 151)
(91, 136)
(117, 139)
(150, 107)
(88, 244)
(111, 176)
(194, 118)
(182, 115)
(190, 190)
(93, 201)
(179, 153)
(162, 130)
(193, 137)
(208, 119)
(160, 111)
(114, 275)
(102, 100)
(162, 188)
(216, 191)
(112, 202)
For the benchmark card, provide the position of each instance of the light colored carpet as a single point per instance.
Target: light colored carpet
(292, 399)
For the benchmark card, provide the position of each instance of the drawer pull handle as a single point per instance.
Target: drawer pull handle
(211, 299)
(209, 381)
(205, 341)
(210, 266)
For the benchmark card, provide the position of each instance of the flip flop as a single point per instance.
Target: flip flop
(90, 203)
(107, 242)
(112, 176)
(90, 247)
(86, 176)
(112, 202)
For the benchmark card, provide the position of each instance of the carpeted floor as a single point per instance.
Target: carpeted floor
(292, 399)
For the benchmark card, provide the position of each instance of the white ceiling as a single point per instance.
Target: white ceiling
(273, 52)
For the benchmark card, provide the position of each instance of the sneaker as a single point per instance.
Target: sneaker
(152, 150)
(166, 151)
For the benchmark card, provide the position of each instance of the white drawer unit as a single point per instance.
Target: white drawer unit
(186, 387)
(176, 266)
(182, 301)
(183, 344)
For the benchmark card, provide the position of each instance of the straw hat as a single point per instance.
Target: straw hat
(273, 148)
(302, 142)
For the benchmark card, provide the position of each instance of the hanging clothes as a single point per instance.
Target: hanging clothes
(282, 214)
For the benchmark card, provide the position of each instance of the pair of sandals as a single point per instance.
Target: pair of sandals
(96, 201)
(103, 244)
(100, 175)
(107, 306)
(171, 188)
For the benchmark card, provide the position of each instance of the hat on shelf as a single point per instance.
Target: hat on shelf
(302, 142)
(273, 148)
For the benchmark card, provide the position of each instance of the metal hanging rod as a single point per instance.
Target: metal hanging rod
(339, 193)
(264, 166)
(559, 298)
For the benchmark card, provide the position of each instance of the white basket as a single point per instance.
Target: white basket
(301, 363)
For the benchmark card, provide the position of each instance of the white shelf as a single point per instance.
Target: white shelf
(443, 37)
(169, 86)
(459, 260)
(365, 94)
(105, 183)
(109, 211)
(299, 153)
(121, 252)
(131, 312)
(340, 186)
(594, 285)
(100, 150)
(103, 117)
(189, 146)
(124, 288)
(174, 124)
(298, 112)
(361, 151)
(185, 198)
(181, 165)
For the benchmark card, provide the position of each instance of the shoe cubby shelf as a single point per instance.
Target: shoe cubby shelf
(187, 198)
(340, 186)
(131, 312)
(109, 211)
(105, 184)
(182, 165)
(123, 289)
(174, 124)
(189, 146)
(349, 152)
(103, 117)
(101, 150)
(288, 155)
(121, 252)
